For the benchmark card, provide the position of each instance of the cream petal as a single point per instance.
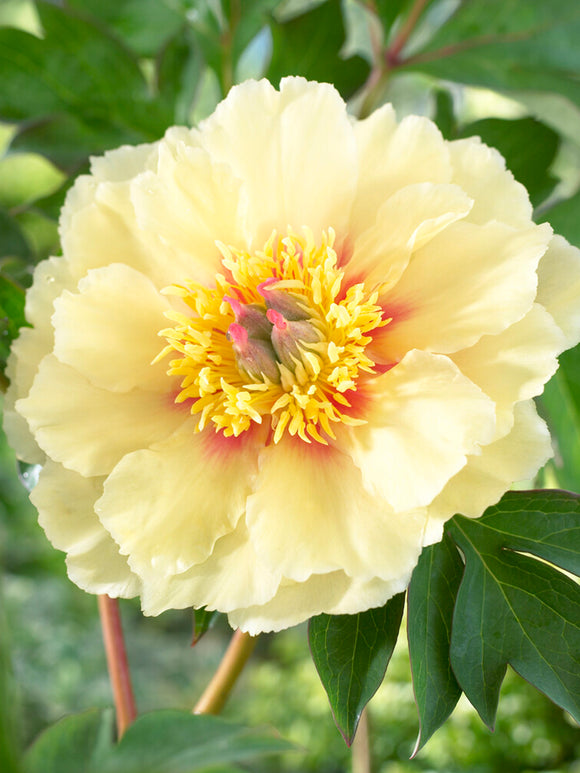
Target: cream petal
(89, 429)
(126, 162)
(405, 222)
(467, 282)
(515, 364)
(310, 514)
(424, 420)
(167, 505)
(559, 287)
(482, 174)
(108, 331)
(65, 503)
(333, 594)
(232, 576)
(392, 157)
(51, 277)
(294, 151)
(516, 456)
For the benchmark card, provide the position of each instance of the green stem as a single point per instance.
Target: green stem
(400, 41)
(216, 693)
(361, 748)
(117, 663)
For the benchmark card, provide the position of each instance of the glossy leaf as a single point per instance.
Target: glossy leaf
(320, 60)
(203, 620)
(431, 599)
(514, 610)
(529, 148)
(507, 44)
(157, 742)
(351, 654)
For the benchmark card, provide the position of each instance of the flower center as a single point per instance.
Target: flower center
(278, 339)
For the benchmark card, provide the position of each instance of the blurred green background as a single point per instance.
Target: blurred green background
(518, 86)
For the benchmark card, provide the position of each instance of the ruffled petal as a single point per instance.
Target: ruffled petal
(310, 514)
(515, 364)
(481, 483)
(232, 576)
(482, 173)
(405, 222)
(294, 151)
(108, 331)
(89, 429)
(424, 420)
(559, 287)
(166, 506)
(65, 503)
(467, 282)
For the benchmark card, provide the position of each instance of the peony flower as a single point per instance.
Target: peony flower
(280, 351)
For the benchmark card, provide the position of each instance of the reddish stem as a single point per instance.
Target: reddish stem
(117, 663)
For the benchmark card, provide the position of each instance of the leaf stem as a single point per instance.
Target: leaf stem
(400, 41)
(216, 693)
(361, 748)
(117, 663)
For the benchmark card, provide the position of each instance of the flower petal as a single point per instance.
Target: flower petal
(65, 502)
(108, 331)
(89, 429)
(559, 286)
(232, 576)
(467, 282)
(516, 456)
(482, 174)
(425, 418)
(196, 485)
(294, 151)
(310, 514)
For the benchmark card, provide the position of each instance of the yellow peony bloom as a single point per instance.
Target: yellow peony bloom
(280, 351)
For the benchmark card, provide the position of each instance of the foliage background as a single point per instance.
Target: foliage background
(80, 76)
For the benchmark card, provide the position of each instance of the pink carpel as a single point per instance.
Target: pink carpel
(238, 335)
(236, 306)
(276, 319)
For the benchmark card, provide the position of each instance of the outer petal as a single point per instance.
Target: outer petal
(310, 514)
(406, 221)
(108, 331)
(482, 174)
(515, 364)
(232, 576)
(166, 506)
(393, 157)
(425, 419)
(294, 151)
(89, 429)
(333, 593)
(517, 456)
(559, 287)
(467, 282)
(65, 502)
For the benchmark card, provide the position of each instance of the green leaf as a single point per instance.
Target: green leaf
(320, 60)
(143, 25)
(351, 654)
(431, 599)
(158, 742)
(564, 218)
(513, 609)
(202, 622)
(507, 44)
(389, 10)
(528, 146)
(13, 242)
(11, 315)
(179, 69)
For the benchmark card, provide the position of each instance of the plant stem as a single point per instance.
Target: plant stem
(405, 32)
(361, 749)
(117, 663)
(216, 693)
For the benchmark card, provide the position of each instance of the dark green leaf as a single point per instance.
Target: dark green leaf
(445, 114)
(310, 44)
(351, 654)
(513, 609)
(158, 742)
(528, 146)
(564, 218)
(11, 315)
(431, 599)
(179, 69)
(143, 25)
(13, 242)
(202, 622)
(508, 44)
(388, 10)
